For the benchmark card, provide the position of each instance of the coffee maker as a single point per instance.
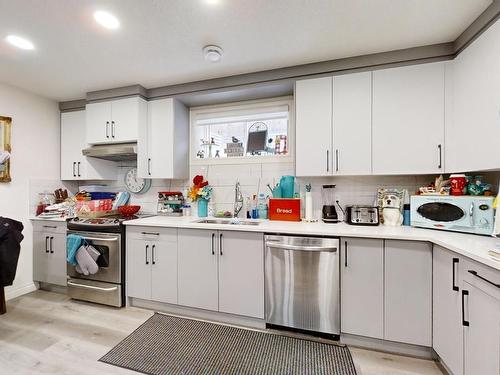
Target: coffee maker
(329, 211)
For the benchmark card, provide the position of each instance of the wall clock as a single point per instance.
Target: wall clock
(135, 184)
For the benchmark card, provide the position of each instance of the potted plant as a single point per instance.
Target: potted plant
(200, 192)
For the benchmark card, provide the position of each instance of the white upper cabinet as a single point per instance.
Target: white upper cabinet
(352, 124)
(75, 166)
(115, 121)
(163, 145)
(408, 120)
(473, 132)
(313, 124)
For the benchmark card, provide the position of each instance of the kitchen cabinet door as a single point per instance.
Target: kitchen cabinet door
(127, 115)
(75, 166)
(313, 127)
(408, 120)
(164, 271)
(41, 254)
(241, 273)
(475, 118)
(447, 334)
(362, 287)
(197, 269)
(408, 292)
(163, 144)
(98, 122)
(72, 133)
(352, 124)
(482, 335)
(49, 257)
(139, 256)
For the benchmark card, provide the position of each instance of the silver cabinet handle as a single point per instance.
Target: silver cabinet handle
(328, 160)
(337, 155)
(111, 289)
(301, 248)
(149, 166)
(51, 245)
(78, 169)
(46, 244)
(74, 172)
(107, 129)
(440, 149)
(147, 247)
(100, 239)
(220, 244)
(112, 129)
(153, 254)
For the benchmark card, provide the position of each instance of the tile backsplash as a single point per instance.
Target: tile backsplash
(255, 177)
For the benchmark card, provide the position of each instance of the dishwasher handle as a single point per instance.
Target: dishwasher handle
(278, 245)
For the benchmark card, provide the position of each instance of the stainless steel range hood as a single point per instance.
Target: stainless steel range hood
(113, 152)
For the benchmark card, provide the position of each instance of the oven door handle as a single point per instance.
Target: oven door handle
(111, 289)
(100, 239)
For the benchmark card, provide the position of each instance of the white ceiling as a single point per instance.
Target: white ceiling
(160, 41)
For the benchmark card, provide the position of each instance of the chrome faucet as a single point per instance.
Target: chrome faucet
(238, 199)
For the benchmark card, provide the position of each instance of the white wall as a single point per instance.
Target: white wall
(35, 155)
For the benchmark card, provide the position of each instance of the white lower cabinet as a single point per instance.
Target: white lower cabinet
(362, 291)
(408, 292)
(152, 264)
(241, 273)
(447, 333)
(222, 271)
(481, 319)
(49, 253)
(386, 290)
(197, 267)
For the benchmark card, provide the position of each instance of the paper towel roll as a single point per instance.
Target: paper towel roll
(309, 206)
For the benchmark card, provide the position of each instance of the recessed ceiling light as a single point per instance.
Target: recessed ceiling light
(19, 42)
(212, 2)
(212, 53)
(106, 20)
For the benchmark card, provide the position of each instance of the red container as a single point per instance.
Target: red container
(284, 209)
(458, 182)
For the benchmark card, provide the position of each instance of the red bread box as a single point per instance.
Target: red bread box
(284, 209)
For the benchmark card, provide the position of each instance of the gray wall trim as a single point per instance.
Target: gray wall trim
(119, 92)
(476, 28)
(72, 105)
(383, 59)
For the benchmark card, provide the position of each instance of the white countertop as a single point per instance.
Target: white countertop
(472, 246)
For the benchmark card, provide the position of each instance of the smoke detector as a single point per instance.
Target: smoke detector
(212, 53)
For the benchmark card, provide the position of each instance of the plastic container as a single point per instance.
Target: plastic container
(406, 214)
(287, 184)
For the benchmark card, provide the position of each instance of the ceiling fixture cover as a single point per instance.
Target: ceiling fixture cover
(106, 20)
(212, 53)
(19, 42)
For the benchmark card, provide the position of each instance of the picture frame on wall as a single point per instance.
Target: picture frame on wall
(5, 148)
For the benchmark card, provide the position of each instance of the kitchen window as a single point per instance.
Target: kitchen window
(254, 131)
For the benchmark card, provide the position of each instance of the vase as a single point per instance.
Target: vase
(202, 207)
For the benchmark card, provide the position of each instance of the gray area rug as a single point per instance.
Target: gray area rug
(169, 345)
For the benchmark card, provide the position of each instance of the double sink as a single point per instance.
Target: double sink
(227, 222)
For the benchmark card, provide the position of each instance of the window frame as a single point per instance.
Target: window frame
(241, 105)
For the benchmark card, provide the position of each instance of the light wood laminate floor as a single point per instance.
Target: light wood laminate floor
(47, 333)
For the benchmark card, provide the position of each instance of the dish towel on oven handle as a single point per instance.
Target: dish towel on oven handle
(73, 243)
(86, 257)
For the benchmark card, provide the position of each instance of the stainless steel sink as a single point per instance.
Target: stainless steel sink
(227, 222)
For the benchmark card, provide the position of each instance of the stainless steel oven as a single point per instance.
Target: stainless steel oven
(107, 285)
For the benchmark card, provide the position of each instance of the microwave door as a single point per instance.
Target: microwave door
(443, 213)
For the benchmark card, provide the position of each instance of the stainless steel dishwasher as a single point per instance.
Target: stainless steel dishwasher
(302, 284)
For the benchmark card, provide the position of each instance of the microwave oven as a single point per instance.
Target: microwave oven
(466, 213)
